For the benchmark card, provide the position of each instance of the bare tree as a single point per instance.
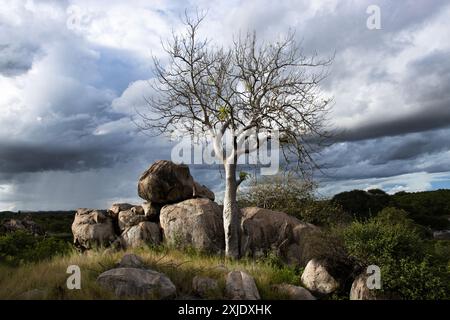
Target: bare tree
(245, 90)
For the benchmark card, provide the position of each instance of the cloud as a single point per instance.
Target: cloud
(72, 74)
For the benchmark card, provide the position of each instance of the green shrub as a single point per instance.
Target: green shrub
(22, 247)
(393, 242)
(288, 194)
(415, 280)
(390, 234)
(283, 193)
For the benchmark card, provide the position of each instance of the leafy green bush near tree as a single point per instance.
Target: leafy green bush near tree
(287, 194)
(410, 268)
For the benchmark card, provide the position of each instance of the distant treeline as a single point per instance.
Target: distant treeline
(428, 208)
(53, 222)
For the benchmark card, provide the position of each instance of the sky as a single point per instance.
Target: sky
(73, 74)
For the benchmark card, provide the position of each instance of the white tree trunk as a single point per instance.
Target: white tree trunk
(231, 214)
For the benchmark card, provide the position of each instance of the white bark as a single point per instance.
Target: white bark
(231, 215)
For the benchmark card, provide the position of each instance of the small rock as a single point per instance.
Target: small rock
(117, 207)
(360, 291)
(130, 260)
(241, 286)
(34, 294)
(133, 282)
(294, 292)
(139, 210)
(316, 278)
(204, 286)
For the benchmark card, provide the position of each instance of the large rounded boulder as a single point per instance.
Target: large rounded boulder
(141, 234)
(133, 282)
(92, 228)
(196, 222)
(317, 278)
(241, 286)
(166, 182)
(264, 231)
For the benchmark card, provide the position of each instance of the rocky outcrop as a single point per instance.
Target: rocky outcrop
(131, 225)
(117, 207)
(166, 182)
(241, 286)
(134, 282)
(292, 292)
(204, 286)
(196, 222)
(129, 218)
(151, 211)
(26, 224)
(144, 232)
(317, 279)
(265, 231)
(92, 228)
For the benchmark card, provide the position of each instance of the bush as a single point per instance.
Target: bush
(393, 242)
(22, 247)
(376, 240)
(288, 194)
(282, 193)
(415, 280)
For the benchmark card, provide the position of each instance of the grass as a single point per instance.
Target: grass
(180, 266)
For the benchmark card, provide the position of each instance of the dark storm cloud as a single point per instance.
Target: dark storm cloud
(19, 157)
(388, 156)
(16, 60)
(426, 88)
(436, 116)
